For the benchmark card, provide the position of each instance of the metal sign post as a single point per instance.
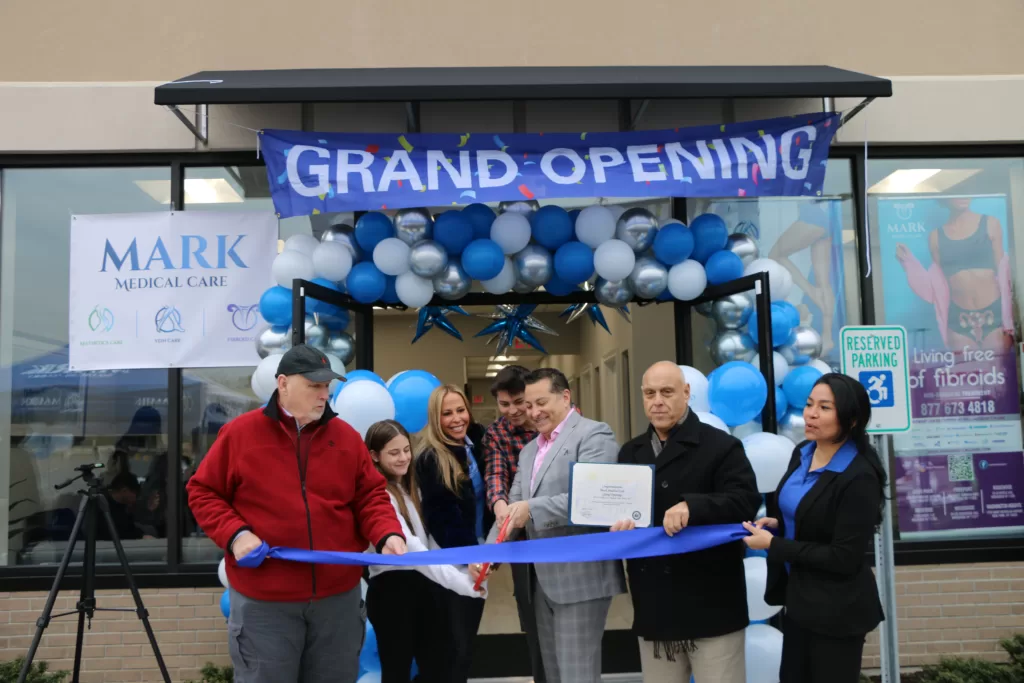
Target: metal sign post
(877, 358)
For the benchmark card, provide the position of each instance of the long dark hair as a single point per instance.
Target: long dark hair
(853, 412)
(377, 437)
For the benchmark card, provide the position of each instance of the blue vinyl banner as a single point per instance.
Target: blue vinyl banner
(610, 545)
(314, 173)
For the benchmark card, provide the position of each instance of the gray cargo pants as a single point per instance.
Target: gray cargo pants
(296, 642)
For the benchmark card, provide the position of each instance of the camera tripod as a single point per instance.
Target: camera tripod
(93, 502)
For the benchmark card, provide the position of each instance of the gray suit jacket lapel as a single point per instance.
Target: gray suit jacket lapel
(570, 425)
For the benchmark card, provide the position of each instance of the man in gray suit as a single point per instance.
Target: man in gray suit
(571, 599)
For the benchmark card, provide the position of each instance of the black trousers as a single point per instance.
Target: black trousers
(462, 617)
(809, 657)
(522, 585)
(403, 605)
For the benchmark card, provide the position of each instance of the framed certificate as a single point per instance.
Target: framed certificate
(601, 494)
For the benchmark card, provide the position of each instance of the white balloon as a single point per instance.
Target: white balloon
(698, 389)
(769, 454)
(821, 365)
(595, 225)
(511, 231)
(614, 260)
(764, 646)
(617, 211)
(338, 367)
(264, 383)
(779, 279)
(304, 244)
(504, 281)
(781, 367)
(370, 677)
(744, 430)
(332, 261)
(755, 569)
(414, 291)
(391, 256)
(362, 587)
(687, 280)
(292, 265)
(761, 512)
(362, 403)
(712, 421)
(222, 573)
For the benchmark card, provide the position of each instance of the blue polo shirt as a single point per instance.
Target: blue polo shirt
(803, 480)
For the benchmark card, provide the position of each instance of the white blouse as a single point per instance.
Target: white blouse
(416, 541)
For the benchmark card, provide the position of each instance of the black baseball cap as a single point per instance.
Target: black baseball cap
(309, 362)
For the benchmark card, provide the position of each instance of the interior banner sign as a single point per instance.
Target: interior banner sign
(162, 290)
(314, 173)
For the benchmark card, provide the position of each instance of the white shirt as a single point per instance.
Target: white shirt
(416, 541)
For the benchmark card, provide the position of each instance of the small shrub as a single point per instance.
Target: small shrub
(39, 673)
(213, 674)
(957, 670)
(1015, 648)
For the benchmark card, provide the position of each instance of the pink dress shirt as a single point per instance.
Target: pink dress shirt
(544, 445)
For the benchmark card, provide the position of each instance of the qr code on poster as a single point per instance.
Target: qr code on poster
(961, 468)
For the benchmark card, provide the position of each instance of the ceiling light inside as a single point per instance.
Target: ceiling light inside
(922, 180)
(197, 191)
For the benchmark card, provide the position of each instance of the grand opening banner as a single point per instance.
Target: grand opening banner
(947, 281)
(314, 173)
(174, 289)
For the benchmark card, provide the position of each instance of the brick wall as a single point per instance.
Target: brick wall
(942, 609)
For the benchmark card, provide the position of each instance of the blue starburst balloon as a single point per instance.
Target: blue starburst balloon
(515, 322)
(436, 316)
(593, 311)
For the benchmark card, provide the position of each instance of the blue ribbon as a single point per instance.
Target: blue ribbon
(617, 545)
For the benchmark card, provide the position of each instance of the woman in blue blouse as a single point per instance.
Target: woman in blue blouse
(823, 516)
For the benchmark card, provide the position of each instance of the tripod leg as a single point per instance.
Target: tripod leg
(87, 598)
(140, 609)
(44, 619)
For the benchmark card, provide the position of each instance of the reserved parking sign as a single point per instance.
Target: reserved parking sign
(876, 356)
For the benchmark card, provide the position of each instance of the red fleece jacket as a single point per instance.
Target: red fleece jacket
(316, 488)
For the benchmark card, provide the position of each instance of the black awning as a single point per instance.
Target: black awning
(518, 83)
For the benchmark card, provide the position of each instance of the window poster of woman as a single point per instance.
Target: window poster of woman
(945, 274)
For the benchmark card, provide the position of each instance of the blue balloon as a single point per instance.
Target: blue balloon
(798, 385)
(366, 284)
(664, 296)
(371, 228)
(781, 405)
(480, 217)
(756, 553)
(453, 231)
(559, 287)
(390, 296)
(673, 244)
(359, 375)
(574, 262)
(723, 266)
(225, 603)
(411, 391)
(737, 392)
(276, 306)
(336, 319)
(782, 324)
(369, 656)
(573, 214)
(551, 226)
(790, 310)
(483, 259)
(709, 235)
(314, 305)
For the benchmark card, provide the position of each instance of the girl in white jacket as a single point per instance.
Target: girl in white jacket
(404, 603)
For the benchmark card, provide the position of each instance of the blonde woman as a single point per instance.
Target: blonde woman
(450, 474)
(403, 602)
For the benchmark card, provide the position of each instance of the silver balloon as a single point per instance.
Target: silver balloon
(649, 278)
(613, 294)
(522, 288)
(744, 246)
(345, 234)
(732, 312)
(452, 282)
(428, 259)
(413, 225)
(730, 345)
(803, 346)
(316, 334)
(271, 340)
(342, 345)
(637, 227)
(534, 266)
(792, 425)
(527, 207)
(704, 308)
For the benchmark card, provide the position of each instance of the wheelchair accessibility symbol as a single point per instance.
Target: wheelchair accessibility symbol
(880, 388)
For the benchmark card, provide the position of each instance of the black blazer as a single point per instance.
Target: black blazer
(703, 594)
(451, 519)
(830, 588)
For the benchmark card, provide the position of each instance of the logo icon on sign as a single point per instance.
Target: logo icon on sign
(101, 319)
(244, 318)
(168, 320)
(879, 386)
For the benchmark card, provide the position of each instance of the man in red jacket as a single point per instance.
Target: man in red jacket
(292, 475)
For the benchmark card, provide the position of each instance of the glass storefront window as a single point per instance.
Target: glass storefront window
(51, 419)
(946, 262)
